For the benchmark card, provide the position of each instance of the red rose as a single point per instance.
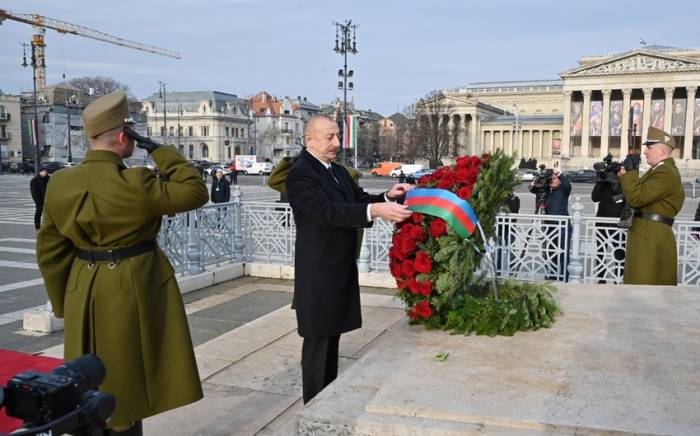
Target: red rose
(400, 283)
(395, 268)
(417, 218)
(424, 310)
(463, 162)
(462, 176)
(413, 314)
(473, 175)
(408, 269)
(446, 182)
(465, 192)
(395, 252)
(414, 286)
(425, 288)
(423, 264)
(418, 233)
(407, 246)
(438, 227)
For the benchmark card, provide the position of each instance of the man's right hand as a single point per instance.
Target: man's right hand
(393, 212)
(631, 162)
(142, 141)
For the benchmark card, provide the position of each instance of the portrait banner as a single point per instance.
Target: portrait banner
(556, 147)
(637, 116)
(596, 120)
(678, 117)
(576, 118)
(615, 118)
(657, 114)
(696, 119)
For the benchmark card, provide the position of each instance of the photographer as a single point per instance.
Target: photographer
(608, 194)
(657, 196)
(557, 203)
(105, 274)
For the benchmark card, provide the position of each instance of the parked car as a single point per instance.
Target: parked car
(52, 167)
(214, 168)
(423, 172)
(582, 176)
(527, 175)
(259, 168)
(408, 169)
(385, 168)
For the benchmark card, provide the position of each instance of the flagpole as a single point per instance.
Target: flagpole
(354, 131)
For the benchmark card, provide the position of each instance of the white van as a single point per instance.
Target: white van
(258, 168)
(407, 169)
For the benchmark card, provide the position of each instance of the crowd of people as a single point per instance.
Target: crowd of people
(117, 293)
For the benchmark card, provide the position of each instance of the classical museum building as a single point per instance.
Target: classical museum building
(605, 105)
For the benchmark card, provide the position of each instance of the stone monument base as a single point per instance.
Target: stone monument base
(619, 360)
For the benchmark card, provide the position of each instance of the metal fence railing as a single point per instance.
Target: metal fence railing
(573, 248)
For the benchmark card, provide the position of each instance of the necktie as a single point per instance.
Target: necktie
(330, 168)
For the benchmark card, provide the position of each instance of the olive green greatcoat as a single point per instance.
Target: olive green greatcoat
(131, 315)
(651, 257)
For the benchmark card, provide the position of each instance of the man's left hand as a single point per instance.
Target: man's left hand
(398, 191)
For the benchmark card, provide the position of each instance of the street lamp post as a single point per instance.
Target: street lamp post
(162, 94)
(343, 46)
(179, 113)
(35, 130)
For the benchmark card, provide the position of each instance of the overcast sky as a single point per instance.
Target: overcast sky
(406, 48)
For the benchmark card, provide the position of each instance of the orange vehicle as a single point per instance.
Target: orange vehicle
(385, 168)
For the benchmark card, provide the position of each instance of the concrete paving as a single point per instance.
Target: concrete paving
(620, 360)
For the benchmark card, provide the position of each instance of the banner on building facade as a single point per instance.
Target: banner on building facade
(576, 118)
(350, 132)
(556, 147)
(596, 120)
(657, 114)
(31, 128)
(678, 117)
(615, 118)
(696, 120)
(637, 116)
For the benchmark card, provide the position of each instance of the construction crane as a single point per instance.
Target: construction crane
(41, 23)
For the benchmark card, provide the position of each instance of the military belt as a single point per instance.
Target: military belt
(112, 256)
(654, 217)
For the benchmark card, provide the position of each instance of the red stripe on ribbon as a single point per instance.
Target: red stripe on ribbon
(449, 206)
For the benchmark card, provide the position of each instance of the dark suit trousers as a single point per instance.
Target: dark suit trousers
(319, 364)
(37, 217)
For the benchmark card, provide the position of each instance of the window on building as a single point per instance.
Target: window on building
(2, 111)
(162, 130)
(149, 131)
(227, 132)
(191, 151)
(289, 140)
(205, 150)
(204, 130)
(236, 132)
(3, 132)
(274, 124)
(296, 128)
(45, 118)
(179, 130)
(181, 149)
(286, 126)
(242, 133)
(190, 131)
(171, 131)
(235, 111)
(286, 112)
(252, 150)
(228, 152)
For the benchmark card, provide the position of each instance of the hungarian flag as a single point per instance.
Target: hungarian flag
(350, 131)
(456, 212)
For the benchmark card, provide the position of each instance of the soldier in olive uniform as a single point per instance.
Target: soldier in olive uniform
(105, 274)
(657, 197)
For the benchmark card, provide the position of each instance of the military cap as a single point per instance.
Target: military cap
(655, 136)
(106, 113)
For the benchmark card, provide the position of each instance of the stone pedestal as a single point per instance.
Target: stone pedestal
(620, 359)
(41, 321)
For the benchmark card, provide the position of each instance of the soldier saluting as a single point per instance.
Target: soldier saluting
(657, 196)
(105, 274)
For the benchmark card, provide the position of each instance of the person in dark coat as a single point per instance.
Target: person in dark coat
(37, 186)
(233, 175)
(328, 208)
(220, 189)
(605, 196)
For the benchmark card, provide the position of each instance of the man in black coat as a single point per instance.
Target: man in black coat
(220, 189)
(37, 186)
(328, 208)
(604, 194)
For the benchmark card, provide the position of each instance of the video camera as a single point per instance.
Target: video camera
(541, 188)
(607, 172)
(64, 400)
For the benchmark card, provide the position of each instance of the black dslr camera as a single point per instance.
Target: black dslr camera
(64, 400)
(541, 188)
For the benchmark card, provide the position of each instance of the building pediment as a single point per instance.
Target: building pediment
(635, 63)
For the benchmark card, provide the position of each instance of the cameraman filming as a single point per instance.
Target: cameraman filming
(657, 197)
(557, 203)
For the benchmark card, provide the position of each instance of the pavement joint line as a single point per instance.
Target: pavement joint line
(22, 265)
(18, 240)
(18, 223)
(20, 285)
(18, 315)
(17, 250)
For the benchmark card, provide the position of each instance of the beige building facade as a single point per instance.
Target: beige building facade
(605, 105)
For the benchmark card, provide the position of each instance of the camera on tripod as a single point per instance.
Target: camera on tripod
(64, 400)
(540, 186)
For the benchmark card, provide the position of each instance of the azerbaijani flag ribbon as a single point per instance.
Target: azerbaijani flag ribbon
(458, 213)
